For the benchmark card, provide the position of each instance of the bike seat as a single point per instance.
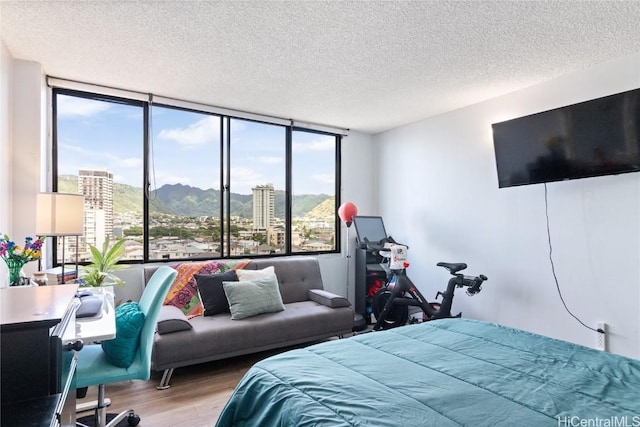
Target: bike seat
(453, 267)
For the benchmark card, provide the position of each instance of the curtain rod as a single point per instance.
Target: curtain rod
(64, 83)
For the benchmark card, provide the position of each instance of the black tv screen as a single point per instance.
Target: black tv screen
(592, 138)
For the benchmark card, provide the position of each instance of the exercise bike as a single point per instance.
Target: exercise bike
(391, 303)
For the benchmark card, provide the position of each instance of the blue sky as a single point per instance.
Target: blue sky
(106, 135)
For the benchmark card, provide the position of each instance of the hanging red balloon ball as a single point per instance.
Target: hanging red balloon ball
(346, 212)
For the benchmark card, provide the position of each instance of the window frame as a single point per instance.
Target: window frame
(225, 148)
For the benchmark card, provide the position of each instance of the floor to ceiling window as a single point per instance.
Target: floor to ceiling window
(179, 183)
(257, 187)
(184, 184)
(313, 176)
(99, 153)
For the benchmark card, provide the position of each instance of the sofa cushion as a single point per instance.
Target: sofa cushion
(129, 322)
(252, 297)
(172, 319)
(212, 293)
(219, 337)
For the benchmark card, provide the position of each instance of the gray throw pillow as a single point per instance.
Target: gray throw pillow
(252, 297)
(172, 319)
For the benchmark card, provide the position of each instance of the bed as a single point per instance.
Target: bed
(449, 372)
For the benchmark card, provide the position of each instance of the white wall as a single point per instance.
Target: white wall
(440, 195)
(24, 103)
(29, 137)
(6, 67)
(359, 178)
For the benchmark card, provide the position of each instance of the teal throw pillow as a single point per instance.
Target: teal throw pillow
(252, 297)
(129, 322)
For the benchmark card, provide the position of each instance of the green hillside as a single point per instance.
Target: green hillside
(184, 200)
(126, 198)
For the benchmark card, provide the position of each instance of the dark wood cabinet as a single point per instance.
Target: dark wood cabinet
(37, 326)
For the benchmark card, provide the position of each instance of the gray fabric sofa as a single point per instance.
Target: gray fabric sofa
(310, 314)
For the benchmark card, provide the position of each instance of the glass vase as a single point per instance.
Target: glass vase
(15, 271)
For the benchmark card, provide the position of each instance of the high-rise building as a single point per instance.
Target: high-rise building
(263, 206)
(94, 227)
(97, 188)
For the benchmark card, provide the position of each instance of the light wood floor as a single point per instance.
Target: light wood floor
(196, 397)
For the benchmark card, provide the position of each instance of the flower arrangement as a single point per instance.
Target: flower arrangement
(16, 257)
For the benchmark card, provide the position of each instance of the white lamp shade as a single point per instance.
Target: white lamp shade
(59, 214)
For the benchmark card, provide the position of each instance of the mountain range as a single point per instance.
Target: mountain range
(184, 200)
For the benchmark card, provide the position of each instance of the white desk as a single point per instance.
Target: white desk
(97, 328)
(102, 326)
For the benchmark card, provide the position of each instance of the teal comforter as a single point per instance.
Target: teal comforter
(450, 372)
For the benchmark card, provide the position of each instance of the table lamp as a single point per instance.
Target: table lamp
(60, 215)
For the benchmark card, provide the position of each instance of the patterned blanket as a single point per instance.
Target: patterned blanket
(184, 290)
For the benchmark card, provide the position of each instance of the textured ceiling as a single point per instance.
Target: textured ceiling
(367, 66)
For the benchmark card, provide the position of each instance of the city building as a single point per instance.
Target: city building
(263, 209)
(276, 236)
(97, 188)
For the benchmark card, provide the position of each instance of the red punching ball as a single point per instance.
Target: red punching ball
(346, 212)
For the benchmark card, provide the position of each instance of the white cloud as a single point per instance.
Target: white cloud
(201, 132)
(161, 179)
(324, 178)
(92, 154)
(244, 179)
(132, 162)
(266, 160)
(69, 106)
(74, 148)
(238, 125)
(320, 144)
(102, 160)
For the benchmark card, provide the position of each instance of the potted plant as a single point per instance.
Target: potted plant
(103, 263)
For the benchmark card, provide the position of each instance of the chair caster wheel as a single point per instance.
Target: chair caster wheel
(133, 420)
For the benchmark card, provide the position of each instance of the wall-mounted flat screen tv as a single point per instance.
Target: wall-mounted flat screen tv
(592, 138)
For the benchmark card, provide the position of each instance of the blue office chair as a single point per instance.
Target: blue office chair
(95, 369)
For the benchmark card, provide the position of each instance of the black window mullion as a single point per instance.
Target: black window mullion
(227, 187)
(54, 167)
(146, 183)
(337, 233)
(288, 191)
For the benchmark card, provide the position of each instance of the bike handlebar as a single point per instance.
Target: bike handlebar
(380, 244)
(476, 285)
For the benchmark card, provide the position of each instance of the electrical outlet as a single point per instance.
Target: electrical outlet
(601, 343)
